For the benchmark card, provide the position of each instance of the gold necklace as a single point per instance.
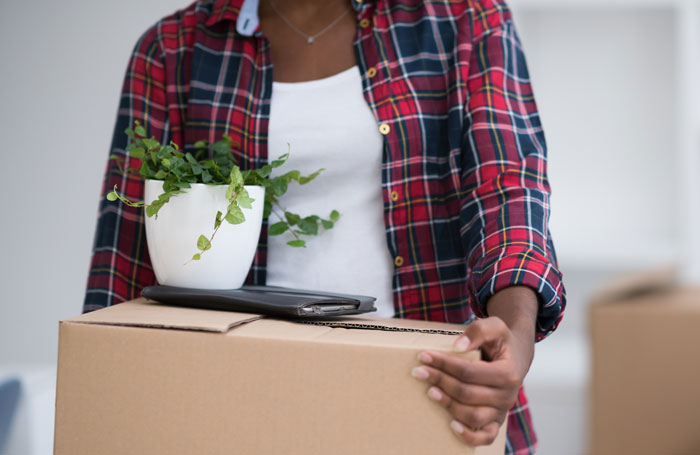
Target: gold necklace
(309, 38)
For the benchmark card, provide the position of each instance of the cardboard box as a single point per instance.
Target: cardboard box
(144, 378)
(646, 366)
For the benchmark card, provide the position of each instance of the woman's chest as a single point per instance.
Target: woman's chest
(413, 82)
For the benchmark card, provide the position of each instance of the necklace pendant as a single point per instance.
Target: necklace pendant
(310, 40)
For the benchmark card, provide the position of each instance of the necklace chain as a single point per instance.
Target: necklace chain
(309, 38)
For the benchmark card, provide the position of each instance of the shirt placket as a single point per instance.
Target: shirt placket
(376, 79)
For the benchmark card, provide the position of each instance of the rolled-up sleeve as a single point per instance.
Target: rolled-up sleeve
(505, 192)
(120, 265)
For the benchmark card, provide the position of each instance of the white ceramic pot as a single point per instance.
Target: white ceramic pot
(172, 237)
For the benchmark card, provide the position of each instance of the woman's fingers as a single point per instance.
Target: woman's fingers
(494, 374)
(489, 334)
(473, 417)
(476, 437)
(465, 393)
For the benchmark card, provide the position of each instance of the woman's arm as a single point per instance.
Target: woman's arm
(505, 189)
(514, 284)
(120, 265)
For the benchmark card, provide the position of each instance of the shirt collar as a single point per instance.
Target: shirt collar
(247, 12)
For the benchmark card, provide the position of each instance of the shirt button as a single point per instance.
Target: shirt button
(398, 261)
(364, 23)
(371, 72)
(384, 128)
(394, 196)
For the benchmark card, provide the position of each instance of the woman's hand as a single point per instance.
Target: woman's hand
(480, 393)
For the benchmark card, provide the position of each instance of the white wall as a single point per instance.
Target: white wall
(604, 81)
(61, 69)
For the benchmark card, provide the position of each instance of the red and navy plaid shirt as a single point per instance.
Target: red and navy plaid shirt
(466, 197)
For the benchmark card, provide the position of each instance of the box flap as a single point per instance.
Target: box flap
(150, 314)
(637, 284)
(146, 313)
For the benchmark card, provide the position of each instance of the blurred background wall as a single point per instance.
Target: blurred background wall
(61, 71)
(611, 78)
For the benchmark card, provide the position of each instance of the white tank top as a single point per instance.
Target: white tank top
(326, 123)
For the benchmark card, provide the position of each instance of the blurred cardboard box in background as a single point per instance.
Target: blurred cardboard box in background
(144, 378)
(645, 333)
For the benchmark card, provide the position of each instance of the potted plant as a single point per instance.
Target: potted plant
(192, 194)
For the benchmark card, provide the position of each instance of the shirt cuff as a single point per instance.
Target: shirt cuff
(526, 268)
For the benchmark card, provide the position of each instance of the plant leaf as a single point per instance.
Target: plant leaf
(327, 224)
(203, 243)
(292, 218)
(335, 215)
(152, 210)
(150, 143)
(138, 152)
(292, 175)
(221, 147)
(197, 257)
(235, 176)
(267, 209)
(279, 186)
(278, 228)
(235, 214)
(244, 200)
(308, 178)
(297, 243)
(265, 171)
(190, 159)
(277, 163)
(308, 226)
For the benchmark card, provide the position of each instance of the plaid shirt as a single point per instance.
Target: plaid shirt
(466, 197)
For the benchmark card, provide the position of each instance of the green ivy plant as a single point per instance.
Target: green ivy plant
(214, 164)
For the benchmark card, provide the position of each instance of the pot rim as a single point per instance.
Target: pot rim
(207, 184)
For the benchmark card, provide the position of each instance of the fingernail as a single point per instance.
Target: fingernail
(435, 393)
(461, 344)
(425, 357)
(420, 373)
(457, 427)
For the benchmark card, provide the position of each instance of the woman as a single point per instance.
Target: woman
(426, 119)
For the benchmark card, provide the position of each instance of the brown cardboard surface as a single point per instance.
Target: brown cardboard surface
(144, 313)
(646, 366)
(264, 387)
